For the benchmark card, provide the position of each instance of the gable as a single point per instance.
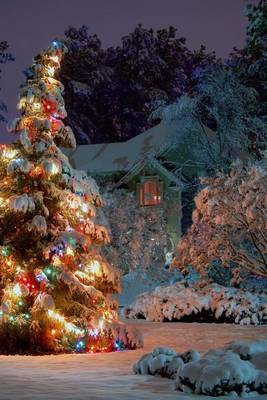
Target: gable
(150, 166)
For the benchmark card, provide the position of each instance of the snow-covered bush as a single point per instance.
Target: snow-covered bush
(220, 372)
(212, 303)
(215, 373)
(164, 362)
(246, 350)
(138, 233)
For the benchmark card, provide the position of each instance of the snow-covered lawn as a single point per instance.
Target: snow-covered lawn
(109, 376)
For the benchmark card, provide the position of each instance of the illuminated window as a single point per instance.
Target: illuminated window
(150, 192)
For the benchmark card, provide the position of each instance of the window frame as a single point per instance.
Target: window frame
(140, 191)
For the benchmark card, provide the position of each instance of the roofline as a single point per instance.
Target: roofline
(142, 163)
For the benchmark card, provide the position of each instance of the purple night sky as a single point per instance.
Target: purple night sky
(28, 25)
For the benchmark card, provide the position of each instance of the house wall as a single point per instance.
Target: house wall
(141, 235)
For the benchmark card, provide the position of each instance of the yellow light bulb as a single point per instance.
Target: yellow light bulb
(22, 103)
(50, 71)
(36, 106)
(56, 261)
(69, 251)
(2, 201)
(55, 169)
(10, 153)
(101, 324)
(54, 59)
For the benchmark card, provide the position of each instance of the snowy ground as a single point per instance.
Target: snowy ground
(110, 376)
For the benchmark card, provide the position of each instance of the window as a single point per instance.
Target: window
(150, 192)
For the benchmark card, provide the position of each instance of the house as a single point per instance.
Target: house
(139, 165)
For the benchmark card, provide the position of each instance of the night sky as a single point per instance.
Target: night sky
(28, 26)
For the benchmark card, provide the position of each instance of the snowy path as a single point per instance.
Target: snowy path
(109, 376)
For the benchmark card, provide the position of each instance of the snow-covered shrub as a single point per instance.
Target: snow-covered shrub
(212, 303)
(220, 372)
(138, 233)
(215, 373)
(247, 350)
(164, 361)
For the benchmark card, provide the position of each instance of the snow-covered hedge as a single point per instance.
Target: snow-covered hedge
(213, 303)
(215, 373)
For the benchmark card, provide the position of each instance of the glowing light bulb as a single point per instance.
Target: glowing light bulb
(5, 250)
(69, 251)
(22, 103)
(50, 71)
(72, 241)
(54, 169)
(48, 271)
(101, 324)
(41, 277)
(94, 266)
(56, 261)
(80, 345)
(94, 332)
(9, 153)
(55, 44)
(16, 290)
(117, 344)
(85, 207)
(55, 59)
(36, 106)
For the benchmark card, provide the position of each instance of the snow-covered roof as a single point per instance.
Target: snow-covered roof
(129, 155)
(121, 156)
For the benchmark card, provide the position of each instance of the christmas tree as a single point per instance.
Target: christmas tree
(55, 288)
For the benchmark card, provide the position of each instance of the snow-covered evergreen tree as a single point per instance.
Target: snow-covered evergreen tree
(55, 287)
